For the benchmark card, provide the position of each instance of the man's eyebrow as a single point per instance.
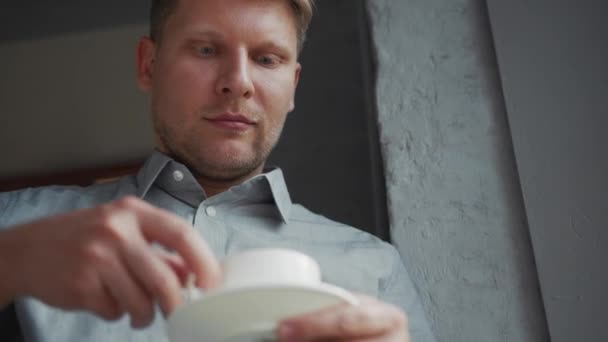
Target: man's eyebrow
(206, 34)
(271, 45)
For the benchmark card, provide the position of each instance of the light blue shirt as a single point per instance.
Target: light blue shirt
(257, 213)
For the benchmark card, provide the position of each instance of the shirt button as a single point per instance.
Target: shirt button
(178, 175)
(211, 211)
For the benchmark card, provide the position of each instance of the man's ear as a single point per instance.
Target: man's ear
(146, 53)
(296, 80)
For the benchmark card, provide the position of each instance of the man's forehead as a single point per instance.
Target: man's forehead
(220, 19)
(280, 7)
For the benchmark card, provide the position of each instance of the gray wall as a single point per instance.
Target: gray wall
(70, 101)
(553, 61)
(455, 205)
(68, 98)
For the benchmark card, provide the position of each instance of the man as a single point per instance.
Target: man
(221, 75)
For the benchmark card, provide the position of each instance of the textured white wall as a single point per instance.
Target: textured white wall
(455, 205)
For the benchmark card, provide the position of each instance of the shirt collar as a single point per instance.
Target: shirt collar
(163, 171)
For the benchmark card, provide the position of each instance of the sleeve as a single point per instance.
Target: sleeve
(6, 201)
(398, 289)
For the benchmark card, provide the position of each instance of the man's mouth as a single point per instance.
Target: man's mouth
(232, 121)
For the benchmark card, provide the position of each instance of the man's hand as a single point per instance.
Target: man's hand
(371, 320)
(102, 260)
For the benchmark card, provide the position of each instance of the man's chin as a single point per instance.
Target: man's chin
(229, 163)
(231, 171)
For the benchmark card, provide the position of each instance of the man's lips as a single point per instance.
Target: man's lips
(231, 121)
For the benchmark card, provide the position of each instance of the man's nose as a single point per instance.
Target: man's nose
(235, 78)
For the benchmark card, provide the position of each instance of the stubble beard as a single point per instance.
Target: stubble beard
(185, 147)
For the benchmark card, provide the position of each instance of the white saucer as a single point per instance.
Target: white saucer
(249, 314)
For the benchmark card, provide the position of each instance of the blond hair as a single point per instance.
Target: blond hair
(303, 10)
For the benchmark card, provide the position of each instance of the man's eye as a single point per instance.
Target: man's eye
(268, 60)
(206, 51)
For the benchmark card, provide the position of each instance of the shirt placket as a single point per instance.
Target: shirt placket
(209, 221)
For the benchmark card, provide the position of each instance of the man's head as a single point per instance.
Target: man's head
(222, 76)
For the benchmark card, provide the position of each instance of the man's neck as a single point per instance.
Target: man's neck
(214, 187)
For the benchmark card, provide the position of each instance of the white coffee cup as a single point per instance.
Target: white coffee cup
(269, 266)
(260, 287)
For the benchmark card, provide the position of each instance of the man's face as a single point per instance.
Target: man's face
(222, 80)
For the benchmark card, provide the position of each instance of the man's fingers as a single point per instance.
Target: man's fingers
(343, 322)
(155, 275)
(103, 304)
(174, 233)
(125, 289)
(176, 263)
